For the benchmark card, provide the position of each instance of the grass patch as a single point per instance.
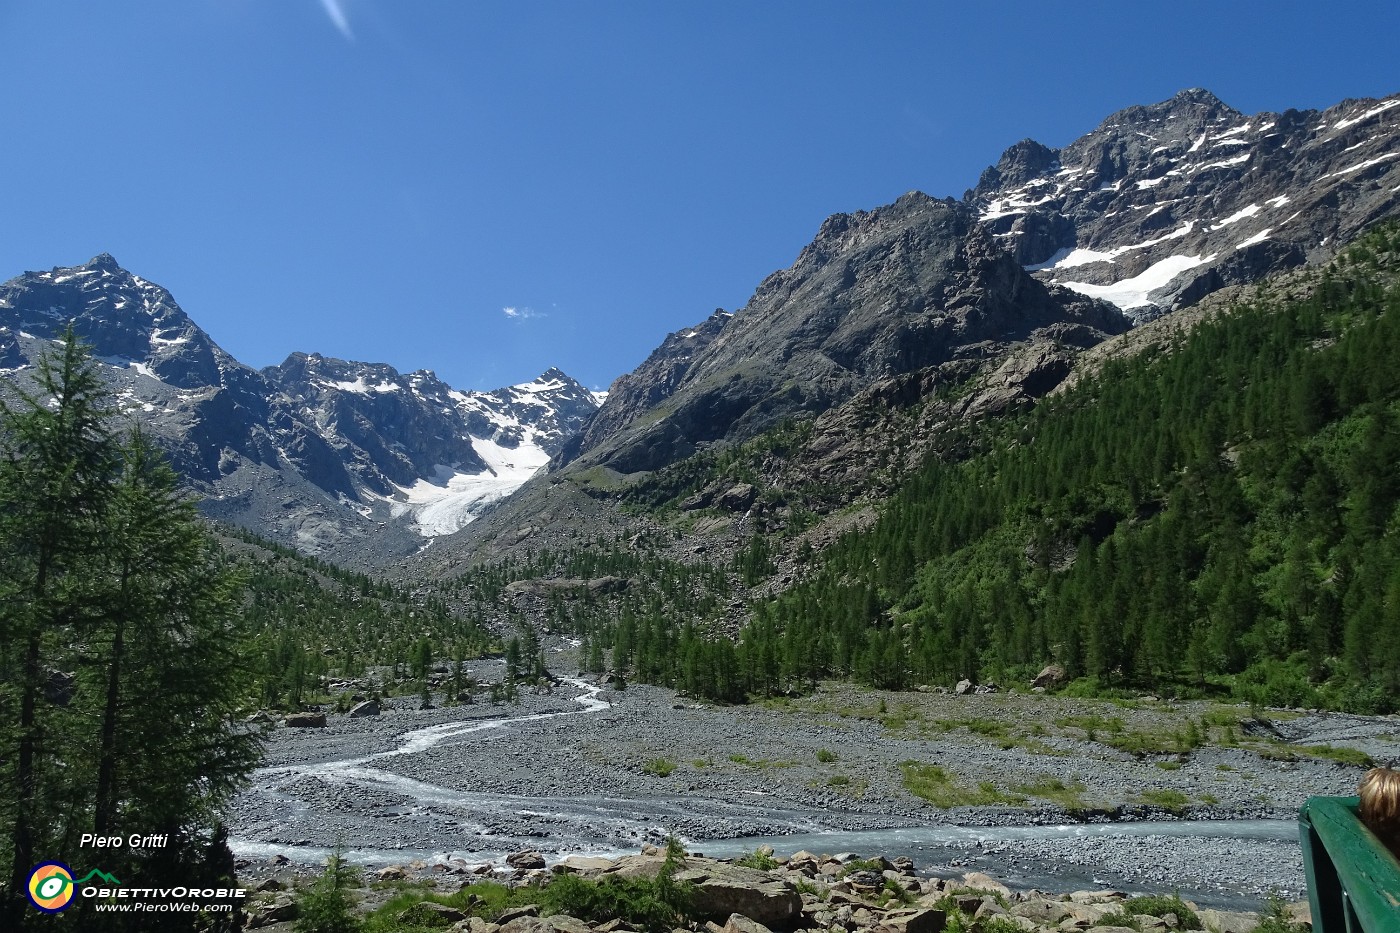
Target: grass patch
(1347, 756)
(940, 788)
(1168, 765)
(993, 728)
(837, 780)
(1167, 799)
(826, 756)
(661, 767)
(1068, 796)
(760, 763)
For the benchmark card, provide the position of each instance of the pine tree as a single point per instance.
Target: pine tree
(109, 573)
(56, 474)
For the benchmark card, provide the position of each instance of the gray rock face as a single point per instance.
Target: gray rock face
(875, 295)
(1165, 203)
(316, 451)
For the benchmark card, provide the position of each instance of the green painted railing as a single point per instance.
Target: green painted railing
(1353, 879)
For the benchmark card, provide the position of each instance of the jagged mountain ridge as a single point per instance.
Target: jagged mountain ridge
(1157, 207)
(876, 294)
(1162, 204)
(325, 453)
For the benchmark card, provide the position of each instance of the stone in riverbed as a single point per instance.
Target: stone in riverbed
(306, 721)
(526, 859)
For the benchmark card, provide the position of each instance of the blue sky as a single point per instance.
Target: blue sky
(489, 189)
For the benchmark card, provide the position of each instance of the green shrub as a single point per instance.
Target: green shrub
(327, 906)
(826, 756)
(654, 904)
(1069, 796)
(1159, 905)
(760, 858)
(1119, 918)
(1276, 919)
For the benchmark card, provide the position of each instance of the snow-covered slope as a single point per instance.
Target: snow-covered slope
(1164, 203)
(435, 455)
(353, 459)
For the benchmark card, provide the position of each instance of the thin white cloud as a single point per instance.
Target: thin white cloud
(337, 14)
(520, 314)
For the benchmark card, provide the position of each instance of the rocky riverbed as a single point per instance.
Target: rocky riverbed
(1046, 790)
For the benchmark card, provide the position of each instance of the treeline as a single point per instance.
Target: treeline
(1221, 517)
(649, 620)
(305, 621)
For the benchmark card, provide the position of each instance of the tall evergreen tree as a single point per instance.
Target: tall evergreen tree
(111, 575)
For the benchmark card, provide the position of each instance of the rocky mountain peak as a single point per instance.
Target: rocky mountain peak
(875, 294)
(317, 451)
(1163, 203)
(1018, 164)
(103, 262)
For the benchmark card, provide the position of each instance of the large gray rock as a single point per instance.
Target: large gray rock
(306, 721)
(526, 859)
(917, 920)
(1227, 921)
(721, 889)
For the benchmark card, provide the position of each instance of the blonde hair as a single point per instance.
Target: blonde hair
(1380, 804)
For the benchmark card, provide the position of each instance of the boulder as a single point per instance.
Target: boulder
(526, 859)
(737, 498)
(722, 889)
(565, 924)
(367, 708)
(306, 721)
(963, 688)
(431, 914)
(1052, 675)
(1226, 921)
(977, 881)
(738, 923)
(1043, 912)
(279, 911)
(583, 865)
(917, 920)
(517, 913)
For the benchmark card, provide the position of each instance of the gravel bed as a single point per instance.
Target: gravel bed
(588, 777)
